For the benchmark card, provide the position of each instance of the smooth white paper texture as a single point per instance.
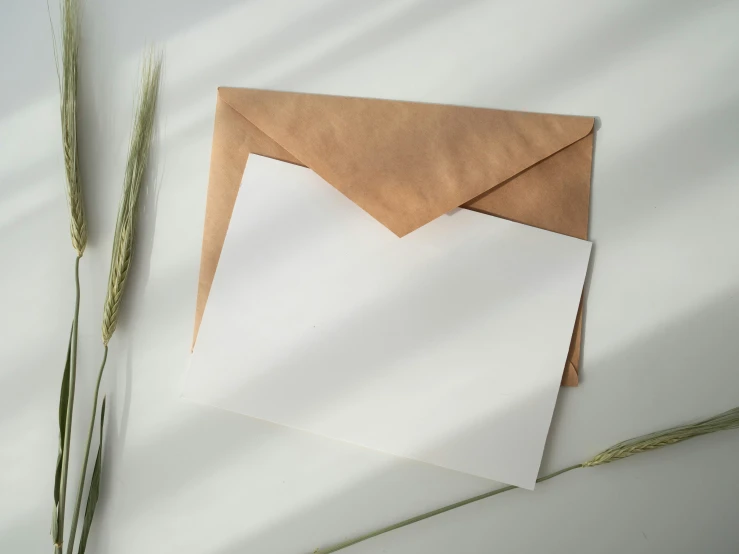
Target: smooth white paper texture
(446, 346)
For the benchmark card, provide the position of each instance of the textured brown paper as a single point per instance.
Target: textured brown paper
(406, 163)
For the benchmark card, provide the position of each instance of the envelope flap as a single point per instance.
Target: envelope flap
(405, 163)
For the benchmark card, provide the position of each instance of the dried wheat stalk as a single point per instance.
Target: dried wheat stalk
(138, 156)
(68, 86)
(70, 21)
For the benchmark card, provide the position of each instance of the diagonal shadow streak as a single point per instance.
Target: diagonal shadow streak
(335, 343)
(138, 284)
(683, 346)
(202, 458)
(703, 122)
(18, 184)
(415, 16)
(270, 49)
(664, 160)
(645, 161)
(708, 147)
(685, 155)
(163, 18)
(598, 47)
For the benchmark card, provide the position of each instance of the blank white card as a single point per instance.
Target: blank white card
(445, 346)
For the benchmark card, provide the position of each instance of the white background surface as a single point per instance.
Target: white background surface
(660, 344)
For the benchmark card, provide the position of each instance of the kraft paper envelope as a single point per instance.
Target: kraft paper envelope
(406, 163)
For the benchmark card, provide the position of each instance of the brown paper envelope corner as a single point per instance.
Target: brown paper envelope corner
(405, 163)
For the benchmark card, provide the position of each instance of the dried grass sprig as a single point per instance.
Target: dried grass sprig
(138, 156)
(123, 243)
(70, 21)
(68, 89)
(722, 422)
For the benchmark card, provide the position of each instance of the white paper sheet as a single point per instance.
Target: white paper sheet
(446, 346)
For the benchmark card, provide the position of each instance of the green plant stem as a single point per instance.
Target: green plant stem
(58, 546)
(362, 538)
(80, 488)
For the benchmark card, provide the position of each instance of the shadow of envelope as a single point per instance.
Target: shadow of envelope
(406, 163)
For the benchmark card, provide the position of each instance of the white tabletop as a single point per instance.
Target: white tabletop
(660, 341)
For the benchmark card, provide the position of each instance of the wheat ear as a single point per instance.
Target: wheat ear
(138, 156)
(722, 422)
(68, 86)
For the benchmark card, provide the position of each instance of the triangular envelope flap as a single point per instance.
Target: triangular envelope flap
(405, 163)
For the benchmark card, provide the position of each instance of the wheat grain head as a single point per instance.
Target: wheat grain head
(722, 422)
(68, 104)
(138, 155)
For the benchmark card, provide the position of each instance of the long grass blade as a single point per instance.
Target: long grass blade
(63, 404)
(94, 493)
(69, 409)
